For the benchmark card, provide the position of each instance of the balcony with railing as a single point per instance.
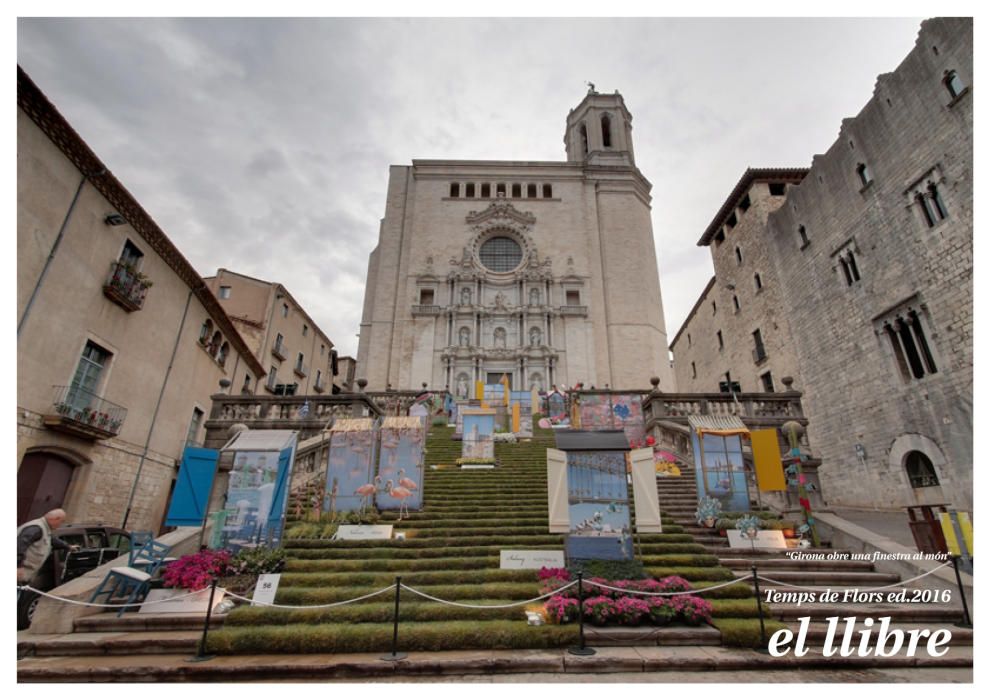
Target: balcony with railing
(279, 350)
(426, 310)
(300, 370)
(572, 310)
(126, 287)
(320, 385)
(84, 414)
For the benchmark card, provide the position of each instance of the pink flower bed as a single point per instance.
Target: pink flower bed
(197, 571)
(634, 605)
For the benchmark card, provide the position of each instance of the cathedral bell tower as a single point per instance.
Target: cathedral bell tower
(599, 131)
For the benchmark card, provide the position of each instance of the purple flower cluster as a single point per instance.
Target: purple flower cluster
(197, 571)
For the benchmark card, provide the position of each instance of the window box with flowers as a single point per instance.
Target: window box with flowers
(126, 286)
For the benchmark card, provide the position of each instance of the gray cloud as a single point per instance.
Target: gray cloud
(263, 145)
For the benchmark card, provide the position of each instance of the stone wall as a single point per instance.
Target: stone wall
(911, 132)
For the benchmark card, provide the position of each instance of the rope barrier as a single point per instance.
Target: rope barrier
(899, 584)
(301, 607)
(668, 593)
(469, 605)
(103, 605)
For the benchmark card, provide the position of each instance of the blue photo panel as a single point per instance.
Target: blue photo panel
(400, 463)
(350, 482)
(598, 497)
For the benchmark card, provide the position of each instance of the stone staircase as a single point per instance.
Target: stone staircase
(678, 500)
(451, 551)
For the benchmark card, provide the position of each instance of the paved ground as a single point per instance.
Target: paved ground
(890, 675)
(891, 524)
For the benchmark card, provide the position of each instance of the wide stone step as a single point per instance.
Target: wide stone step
(771, 563)
(138, 622)
(129, 643)
(819, 612)
(655, 636)
(726, 551)
(817, 632)
(423, 665)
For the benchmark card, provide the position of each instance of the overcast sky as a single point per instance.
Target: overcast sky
(263, 145)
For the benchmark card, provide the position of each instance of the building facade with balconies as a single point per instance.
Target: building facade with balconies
(120, 344)
(543, 271)
(298, 357)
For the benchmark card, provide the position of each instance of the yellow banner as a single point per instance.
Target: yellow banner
(965, 527)
(766, 458)
(516, 417)
(479, 392)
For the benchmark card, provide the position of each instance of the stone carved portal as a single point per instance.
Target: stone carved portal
(491, 333)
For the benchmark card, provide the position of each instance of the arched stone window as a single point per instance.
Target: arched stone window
(606, 131)
(215, 342)
(920, 470)
(205, 332)
(222, 353)
(865, 178)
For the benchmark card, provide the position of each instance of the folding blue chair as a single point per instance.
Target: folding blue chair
(133, 582)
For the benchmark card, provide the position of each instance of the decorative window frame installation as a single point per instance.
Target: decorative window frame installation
(926, 197)
(906, 334)
(846, 261)
(956, 93)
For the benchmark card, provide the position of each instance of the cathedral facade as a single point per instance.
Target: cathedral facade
(543, 271)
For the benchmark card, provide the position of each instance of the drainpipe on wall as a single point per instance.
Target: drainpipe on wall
(154, 417)
(51, 254)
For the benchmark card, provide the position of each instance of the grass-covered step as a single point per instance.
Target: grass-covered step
(453, 592)
(295, 547)
(391, 564)
(369, 637)
(374, 580)
(697, 560)
(733, 590)
(412, 609)
(744, 632)
(364, 554)
(691, 573)
(423, 524)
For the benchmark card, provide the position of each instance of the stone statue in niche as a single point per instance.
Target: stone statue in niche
(462, 387)
(535, 337)
(464, 337)
(500, 337)
(534, 297)
(500, 301)
(536, 382)
(466, 296)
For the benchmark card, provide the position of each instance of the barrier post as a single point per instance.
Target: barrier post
(201, 654)
(967, 620)
(581, 650)
(395, 655)
(759, 611)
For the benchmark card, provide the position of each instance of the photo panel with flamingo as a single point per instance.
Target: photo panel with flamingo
(598, 498)
(351, 481)
(400, 463)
